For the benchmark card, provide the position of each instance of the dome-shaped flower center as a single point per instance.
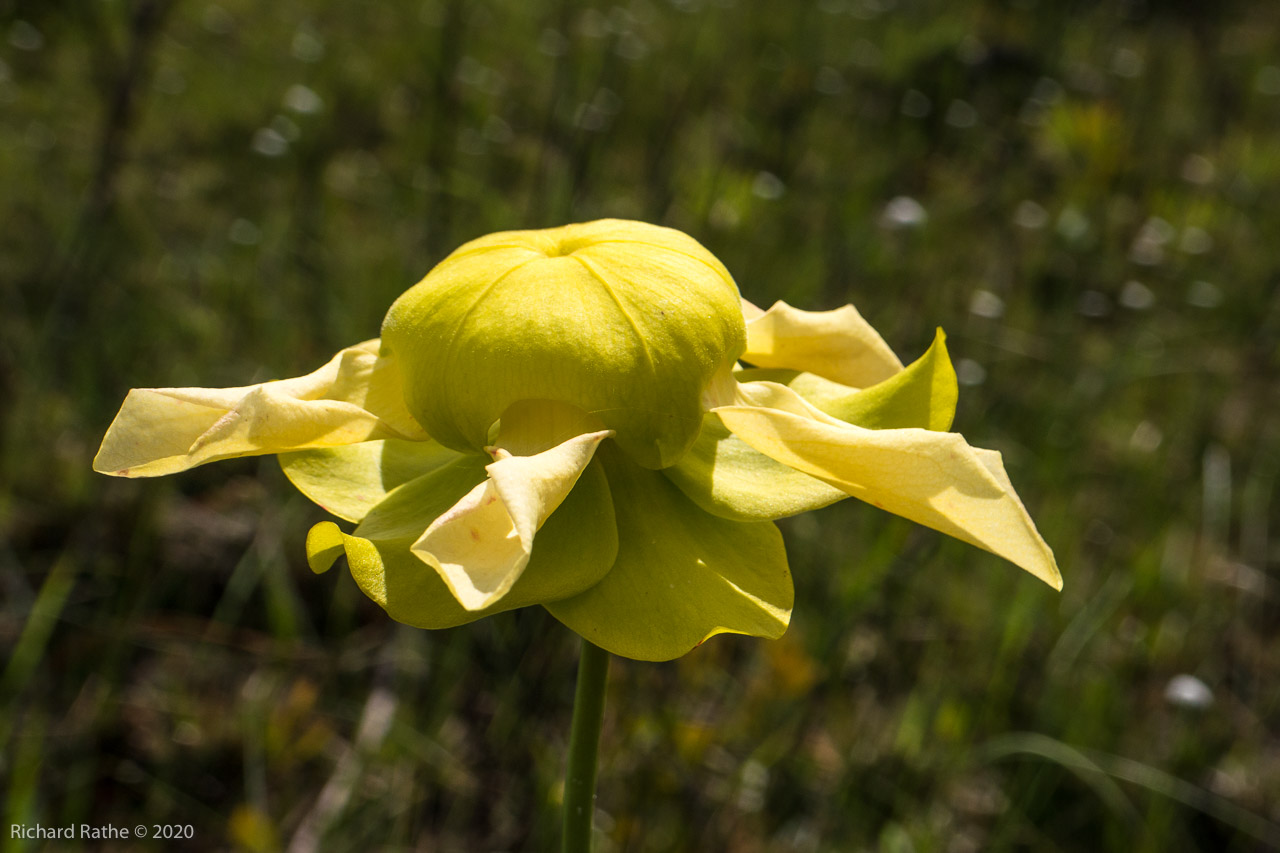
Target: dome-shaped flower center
(624, 320)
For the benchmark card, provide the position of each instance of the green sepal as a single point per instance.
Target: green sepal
(725, 477)
(681, 575)
(349, 481)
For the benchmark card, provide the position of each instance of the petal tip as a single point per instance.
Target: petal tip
(473, 599)
(110, 472)
(1055, 580)
(1045, 570)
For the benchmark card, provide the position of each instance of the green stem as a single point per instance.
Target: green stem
(584, 744)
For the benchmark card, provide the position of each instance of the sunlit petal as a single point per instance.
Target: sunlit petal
(726, 477)
(838, 345)
(934, 478)
(353, 398)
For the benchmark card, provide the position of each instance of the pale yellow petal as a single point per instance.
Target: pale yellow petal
(933, 478)
(481, 546)
(838, 345)
(353, 398)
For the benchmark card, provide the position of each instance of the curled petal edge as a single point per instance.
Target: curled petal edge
(838, 345)
(481, 546)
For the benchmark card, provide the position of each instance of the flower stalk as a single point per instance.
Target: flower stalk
(584, 746)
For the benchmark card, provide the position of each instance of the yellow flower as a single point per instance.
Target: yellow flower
(563, 417)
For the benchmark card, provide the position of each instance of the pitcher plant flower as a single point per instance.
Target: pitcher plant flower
(591, 419)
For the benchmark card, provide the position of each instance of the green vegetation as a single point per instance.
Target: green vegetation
(1083, 195)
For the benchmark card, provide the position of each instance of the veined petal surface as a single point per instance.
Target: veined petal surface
(353, 398)
(681, 575)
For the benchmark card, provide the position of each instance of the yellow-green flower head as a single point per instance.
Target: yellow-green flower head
(589, 419)
(624, 320)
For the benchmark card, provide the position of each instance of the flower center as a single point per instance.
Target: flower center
(567, 245)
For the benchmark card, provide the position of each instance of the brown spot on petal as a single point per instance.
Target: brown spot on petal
(475, 534)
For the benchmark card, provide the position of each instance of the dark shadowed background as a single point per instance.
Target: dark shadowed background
(1083, 194)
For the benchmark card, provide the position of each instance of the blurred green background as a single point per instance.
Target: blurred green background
(1083, 194)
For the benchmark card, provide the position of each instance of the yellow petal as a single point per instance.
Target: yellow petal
(923, 394)
(325, 544)
(482, 545)
(355, 397)
(838, 345)
(726, 477)
(933, 478)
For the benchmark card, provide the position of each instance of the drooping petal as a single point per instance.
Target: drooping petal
(483, 543)
(726, 477)
(349, 481)
(574, 548)
(681, 575)
(933, 478)
(355, 397)
(838, 345)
